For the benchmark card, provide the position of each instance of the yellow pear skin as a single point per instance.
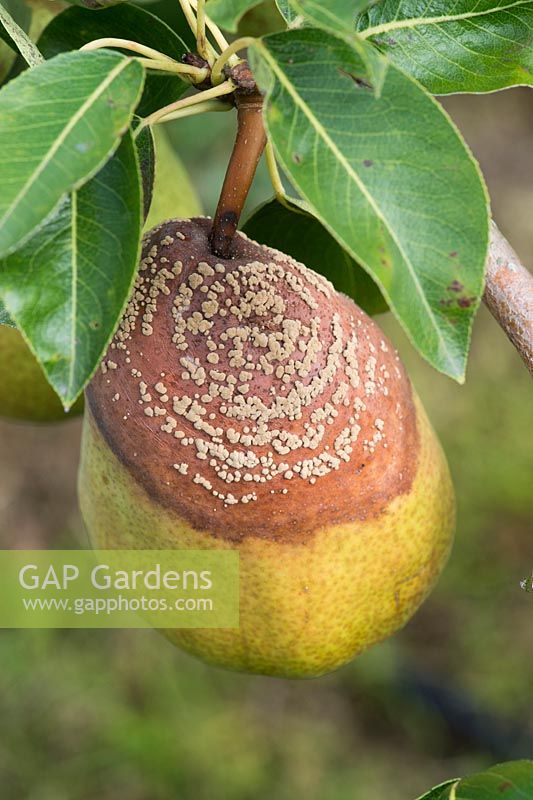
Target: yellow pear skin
(25, 394)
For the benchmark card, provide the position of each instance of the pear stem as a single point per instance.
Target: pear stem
(249, 145)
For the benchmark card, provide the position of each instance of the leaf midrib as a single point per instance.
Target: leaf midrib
(93, 97)
(74, 283)
(321, 131)
(421, 21)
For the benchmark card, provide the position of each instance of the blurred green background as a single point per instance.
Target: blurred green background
(124, 716)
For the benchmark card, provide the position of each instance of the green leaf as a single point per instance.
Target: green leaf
(21, 14)
(465, 46)
(66, 288)
(5, 319)
(389, 177)
(227, 13)
(512, 780)
(146, 155)
(291, 17)
(20, 39)
(301, 236)
(75, 27)
(11, 61)
(441, 792)
(58, 124)
(338, 17)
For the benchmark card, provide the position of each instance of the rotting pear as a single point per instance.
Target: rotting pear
(246, 404)
(25, 394)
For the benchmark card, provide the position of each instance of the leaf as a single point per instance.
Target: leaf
(21, 14)
(389, 177)
(301, 236)
(144, 143)
(66, 288)
(288, 13)
(58, 124)
(338, 17)
(74, 27)
(12, 61)
(512, 780)
(5, 319)
(441, 792)
(227, 13)
(20, 39)
(483, 46)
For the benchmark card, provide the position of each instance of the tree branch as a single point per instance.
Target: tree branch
(509, 295)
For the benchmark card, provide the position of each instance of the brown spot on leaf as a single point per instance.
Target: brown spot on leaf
(466, 302)
(455, 286)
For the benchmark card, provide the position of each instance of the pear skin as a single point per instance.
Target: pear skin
(247, 405)
(25, 394)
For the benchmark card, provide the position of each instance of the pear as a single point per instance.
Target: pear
(25, 394)
(245, 404)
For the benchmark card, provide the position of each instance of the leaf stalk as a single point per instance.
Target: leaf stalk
(151, 59)
(170, 111)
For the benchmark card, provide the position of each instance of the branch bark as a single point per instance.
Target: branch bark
(509, 295)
